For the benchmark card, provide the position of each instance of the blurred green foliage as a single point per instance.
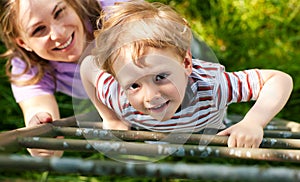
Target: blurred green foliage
(242, 33)
(11, 114)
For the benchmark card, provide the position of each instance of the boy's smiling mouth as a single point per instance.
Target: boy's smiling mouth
(159, 108)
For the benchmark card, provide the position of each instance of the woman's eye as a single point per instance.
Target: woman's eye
(59, 12)
(38, 30)
(161, 76)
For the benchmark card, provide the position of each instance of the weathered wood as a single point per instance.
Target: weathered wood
(207, 172)
(275, 124)
(153, 146)
(115, 148)
(282, 134)
(181, 138)
(8, 139)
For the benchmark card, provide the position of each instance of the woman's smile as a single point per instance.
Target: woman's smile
(51, 29)
(66, 44)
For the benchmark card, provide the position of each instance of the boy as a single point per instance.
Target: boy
(144, 76)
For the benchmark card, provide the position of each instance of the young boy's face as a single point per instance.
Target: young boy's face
(158, 86)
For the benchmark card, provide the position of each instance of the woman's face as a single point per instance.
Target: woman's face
(51, 29)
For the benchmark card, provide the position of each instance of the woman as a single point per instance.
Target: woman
(44, 41)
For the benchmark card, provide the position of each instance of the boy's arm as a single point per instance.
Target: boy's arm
(272, 98)
(89, 73)
(110, 119)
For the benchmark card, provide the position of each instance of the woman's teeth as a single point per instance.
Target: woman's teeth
(66, 44)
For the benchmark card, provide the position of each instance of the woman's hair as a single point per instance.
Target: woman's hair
(87, 10)
(139, 25)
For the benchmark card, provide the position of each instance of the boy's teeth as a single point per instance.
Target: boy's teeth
(158, 106)
(66, 44)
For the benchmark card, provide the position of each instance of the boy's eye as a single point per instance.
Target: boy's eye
(161, 76)
(133, 86)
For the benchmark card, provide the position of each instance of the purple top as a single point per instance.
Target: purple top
(67, 75)
(67, 81)
(105, 3)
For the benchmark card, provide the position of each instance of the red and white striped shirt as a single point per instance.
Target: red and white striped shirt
(210, 90)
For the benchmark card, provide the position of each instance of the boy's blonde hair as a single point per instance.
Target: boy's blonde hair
(139, 25)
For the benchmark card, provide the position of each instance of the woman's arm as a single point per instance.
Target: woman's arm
(276, 90)
(34, 107)
(38, 110)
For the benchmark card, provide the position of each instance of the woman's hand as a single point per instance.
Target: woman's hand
(40, 118)
(37, 119)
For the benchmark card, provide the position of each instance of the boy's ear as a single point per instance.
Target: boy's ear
(187, 62)
(21, 43)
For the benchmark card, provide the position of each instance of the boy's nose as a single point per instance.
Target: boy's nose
(152, 93)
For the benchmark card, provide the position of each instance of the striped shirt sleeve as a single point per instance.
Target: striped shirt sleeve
(241, 86)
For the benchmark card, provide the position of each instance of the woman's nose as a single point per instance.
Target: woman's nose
(57, 31)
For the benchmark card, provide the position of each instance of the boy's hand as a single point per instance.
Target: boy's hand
(41, 118)
(244, 134)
